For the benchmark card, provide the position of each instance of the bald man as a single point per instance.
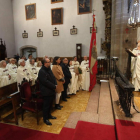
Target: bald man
(48, 85)
(85, 74)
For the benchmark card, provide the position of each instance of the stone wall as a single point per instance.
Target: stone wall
(120, 39)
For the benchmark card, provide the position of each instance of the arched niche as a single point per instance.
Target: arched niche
(27, 49)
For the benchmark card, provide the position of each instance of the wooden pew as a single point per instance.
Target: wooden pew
(9, 95)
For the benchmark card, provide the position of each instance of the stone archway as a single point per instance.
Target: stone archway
(25, 50)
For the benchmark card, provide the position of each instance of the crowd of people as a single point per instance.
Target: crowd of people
(56, 77)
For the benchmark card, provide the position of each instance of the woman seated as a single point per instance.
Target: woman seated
(39, 65)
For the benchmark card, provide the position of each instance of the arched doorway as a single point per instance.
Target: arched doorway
(28, 49)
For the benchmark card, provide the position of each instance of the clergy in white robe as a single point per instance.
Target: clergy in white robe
(135, 68)
(32, 70)
(76, 64)
(13, 70)
(22, 72)
(8, 64)
(39, 65)
(28, 60)
(85, 74)
(72, 87)
(5, 78)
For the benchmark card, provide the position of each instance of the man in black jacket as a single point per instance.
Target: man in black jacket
(67, 75)
(48, 85)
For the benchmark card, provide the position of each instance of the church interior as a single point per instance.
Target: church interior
(69, 69)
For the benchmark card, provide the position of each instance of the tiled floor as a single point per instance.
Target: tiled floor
(77, 103)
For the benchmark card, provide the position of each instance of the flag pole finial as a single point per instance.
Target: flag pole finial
(93, 11)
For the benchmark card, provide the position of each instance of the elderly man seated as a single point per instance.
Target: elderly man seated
(5, 78)
(13, 70)
(32, 70)
(85, 74)
(22, 72)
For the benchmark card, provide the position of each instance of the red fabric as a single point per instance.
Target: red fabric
(94, 131)
(31, 105)
(10, 132)
(66, 134)
(127, 130)
(94, 68)
(26, 91)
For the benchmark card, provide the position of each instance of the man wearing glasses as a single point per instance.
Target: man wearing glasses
(48, 85)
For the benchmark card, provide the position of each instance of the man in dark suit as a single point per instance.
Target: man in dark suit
(67, 75)
(48, 85)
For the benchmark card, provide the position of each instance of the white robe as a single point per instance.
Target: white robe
(7, 66)
(85, 75)
(4, 77)
(72, 87)
(33, 72)
(13, 72)
(135, 69)
(38, 69)
(22, 72)
(27, 62)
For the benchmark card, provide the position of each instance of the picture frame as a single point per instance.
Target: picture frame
(73, 31)
(91, 29)
(40, 33)
(57, 16)
(55, 32)
(56, 1)
(30, 11)
(84, 7)
(25, 35)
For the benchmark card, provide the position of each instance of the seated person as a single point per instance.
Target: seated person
(22, 72)
(8, 64)
(28, 60)
(85, 74)
(39, 65)
(5, 78)
(13, 70)
(32, 70)
(135, 68)
(37, 59)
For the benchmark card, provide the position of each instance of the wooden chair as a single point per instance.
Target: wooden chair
(28, 101)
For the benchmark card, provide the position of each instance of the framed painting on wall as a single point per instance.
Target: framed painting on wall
(57, 16)
(30, 11)
(84, 6)
(56, 1)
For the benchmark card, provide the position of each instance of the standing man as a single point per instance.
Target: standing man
(68, 76)
(48, 85)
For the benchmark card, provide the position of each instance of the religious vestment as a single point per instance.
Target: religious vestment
(22, 72)
(135, 69)
(13, 72)
(85, 75)
(27, 62)
(33, 72)
(72, 87)
(38, 69)
(7, 66)
(4, 77)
